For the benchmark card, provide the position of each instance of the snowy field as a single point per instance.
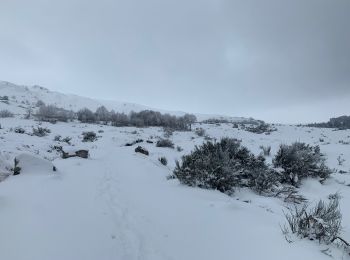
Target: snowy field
(119, 204)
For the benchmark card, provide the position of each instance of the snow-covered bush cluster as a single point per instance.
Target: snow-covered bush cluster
(227, 164)
(224, 166)
(300, 160)
(261, 128)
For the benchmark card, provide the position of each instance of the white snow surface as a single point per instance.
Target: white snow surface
(119, 204)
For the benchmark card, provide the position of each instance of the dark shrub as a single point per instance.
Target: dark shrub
(299, 161)
(142, 150)
(163, 160)
(5, 113)
(67, 139)
(19, 130)
(165, 143)
(200, 132)
(57, 138)
(223, 166)
(89, 136)
(179, 148)
(134, 142)
(16, 169)
(41, 131)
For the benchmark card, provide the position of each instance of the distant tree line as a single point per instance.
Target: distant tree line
(342, 122)
(143, 118)
(139, 119)
(52, 113)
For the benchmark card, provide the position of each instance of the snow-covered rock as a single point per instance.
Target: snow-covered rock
(30, 164)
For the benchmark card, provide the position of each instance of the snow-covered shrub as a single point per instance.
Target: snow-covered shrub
(41, 131)
(5, 113)
(300, 160)
(261, 128)
(57, 138)
(89, 136)
(200, 131)
(142, 150)
(165, 143)
(163, 160)
(67, 139)
(224, 166)
(322, 222)
(266, 150)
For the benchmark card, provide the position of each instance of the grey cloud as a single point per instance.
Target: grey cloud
(225, 56)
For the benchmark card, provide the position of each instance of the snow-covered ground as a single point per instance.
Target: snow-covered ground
(118, 204)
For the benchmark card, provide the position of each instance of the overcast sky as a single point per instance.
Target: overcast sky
(277, 60)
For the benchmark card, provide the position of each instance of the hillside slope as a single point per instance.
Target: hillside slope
(22, 97)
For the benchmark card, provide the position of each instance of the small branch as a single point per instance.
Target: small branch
(341, 239)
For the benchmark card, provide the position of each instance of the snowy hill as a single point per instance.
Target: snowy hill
(120, 204)
(21, 97)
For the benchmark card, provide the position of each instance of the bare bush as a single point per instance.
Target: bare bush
(89, 136)
(165, 143)
(322, 222)
(85, 115)
(41, 131)
(6, 113)
(266, 150)
(51, 113)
